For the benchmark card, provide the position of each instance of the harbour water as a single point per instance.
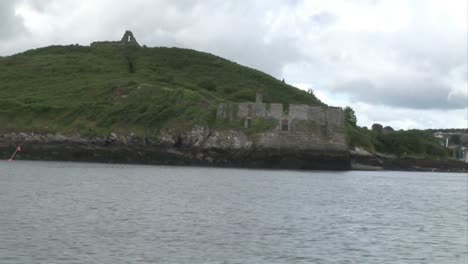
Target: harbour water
(56, 212)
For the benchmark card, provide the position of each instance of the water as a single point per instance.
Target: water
(92, 213)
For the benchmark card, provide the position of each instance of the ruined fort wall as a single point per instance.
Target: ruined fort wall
(275, 111)
(243, 110)
(298, 112)
(259, 110)
(332, 115)
(335, 116)
(309, 127)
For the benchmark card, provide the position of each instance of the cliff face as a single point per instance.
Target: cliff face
(198, 146)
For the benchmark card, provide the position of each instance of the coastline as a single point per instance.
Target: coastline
(151, 151)
(167, 151)
(373, 162)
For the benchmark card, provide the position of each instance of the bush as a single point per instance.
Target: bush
(350, 116)
(377, 128)
(207, 85)
(455, 139)
(388, 129)
(359, 137)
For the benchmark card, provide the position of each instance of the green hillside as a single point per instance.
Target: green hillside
(98, 89)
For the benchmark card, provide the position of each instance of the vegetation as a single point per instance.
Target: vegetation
(377, 128)
(350, 116)
(412, 143)
(388, 129)
(96, 90)
(455, 139)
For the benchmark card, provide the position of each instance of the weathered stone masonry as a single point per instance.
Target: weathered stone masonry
(297, 126)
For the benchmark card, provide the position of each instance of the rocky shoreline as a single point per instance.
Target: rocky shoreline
(193, 149)
(167, 150)
(362, 160)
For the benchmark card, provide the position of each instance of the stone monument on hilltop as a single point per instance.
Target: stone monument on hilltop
(127, 39)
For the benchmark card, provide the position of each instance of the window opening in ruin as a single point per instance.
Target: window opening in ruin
(249, 109)
(284, 125)
(248, 123)
(285, 109)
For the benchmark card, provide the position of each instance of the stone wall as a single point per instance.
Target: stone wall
(275, 111)
(324, 116)
(298, 112)
(298, 126)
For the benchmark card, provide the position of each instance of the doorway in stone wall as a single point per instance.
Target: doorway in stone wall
(248, 123)
(284, 125)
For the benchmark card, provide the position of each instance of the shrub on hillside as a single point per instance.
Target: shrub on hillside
(207, 85)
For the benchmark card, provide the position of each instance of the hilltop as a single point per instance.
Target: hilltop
(99, 89)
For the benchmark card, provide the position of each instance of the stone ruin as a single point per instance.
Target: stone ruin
(127, 39)
(295, 124)
(287, 117)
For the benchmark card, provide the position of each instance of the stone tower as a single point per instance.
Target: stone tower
(129, 39)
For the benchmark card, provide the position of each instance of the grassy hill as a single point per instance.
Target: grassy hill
(96, 90)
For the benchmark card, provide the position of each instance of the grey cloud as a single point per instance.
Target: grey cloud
(416, 94)
(234, 31)
(406, 69)
(10, 24)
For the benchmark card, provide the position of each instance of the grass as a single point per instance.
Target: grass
(96, 90)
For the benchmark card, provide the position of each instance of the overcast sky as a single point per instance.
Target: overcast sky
(398, 63)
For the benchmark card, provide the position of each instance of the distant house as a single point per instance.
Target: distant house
(439, 135)
(464, 154)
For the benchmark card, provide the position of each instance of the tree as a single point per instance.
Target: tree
(377, 128)
(388, 129)
(350, 116)
(455, 139)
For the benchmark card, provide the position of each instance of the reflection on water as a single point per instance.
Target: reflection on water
(92, 213)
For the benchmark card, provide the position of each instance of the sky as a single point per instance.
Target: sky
(397, 63)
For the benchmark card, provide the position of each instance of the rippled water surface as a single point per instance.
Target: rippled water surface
(92, 213)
